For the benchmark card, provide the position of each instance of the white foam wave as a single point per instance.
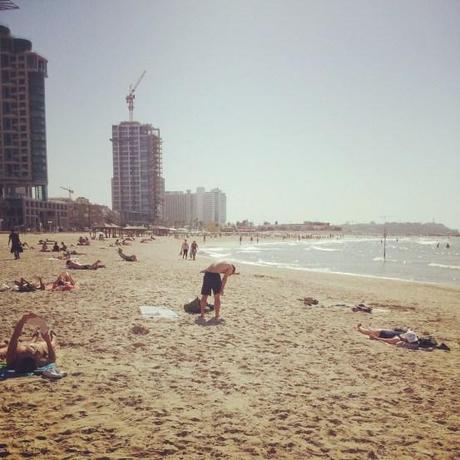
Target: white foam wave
(381, 259)
(249, 249)
(317, 248)
(452, 267)
(216, 254)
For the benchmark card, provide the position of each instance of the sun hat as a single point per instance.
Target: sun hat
(409, 336)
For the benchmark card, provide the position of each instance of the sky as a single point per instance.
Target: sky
(298, 110)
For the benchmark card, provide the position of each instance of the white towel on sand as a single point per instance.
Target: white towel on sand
(148, 311)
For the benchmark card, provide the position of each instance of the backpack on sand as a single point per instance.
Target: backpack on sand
(193, 307)
(427, 342)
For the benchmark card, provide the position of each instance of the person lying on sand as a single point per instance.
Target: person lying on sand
(407, 339)
(22, 285)
(76, 266)
(132, 258)
(212, 282)
(29, 355)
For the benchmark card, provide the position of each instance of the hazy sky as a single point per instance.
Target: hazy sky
(299, 110)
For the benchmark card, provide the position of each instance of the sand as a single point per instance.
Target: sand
(277, 379)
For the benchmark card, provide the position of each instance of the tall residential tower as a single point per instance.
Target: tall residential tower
(137, 183)
(23, 169)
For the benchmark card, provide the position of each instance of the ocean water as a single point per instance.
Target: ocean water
(411, 259)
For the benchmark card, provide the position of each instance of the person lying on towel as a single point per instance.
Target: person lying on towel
(76, 266)
(27, 356)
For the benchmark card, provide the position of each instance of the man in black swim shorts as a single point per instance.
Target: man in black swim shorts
(213, 283)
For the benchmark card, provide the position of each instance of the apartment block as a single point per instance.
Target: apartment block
(137, 182)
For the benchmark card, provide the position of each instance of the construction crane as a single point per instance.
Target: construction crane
(131, 96)
(69, 190)
(8, 5)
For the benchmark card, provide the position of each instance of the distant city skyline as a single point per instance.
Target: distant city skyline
(195, 209)
(300, 110)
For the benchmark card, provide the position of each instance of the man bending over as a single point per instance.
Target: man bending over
(213, 282)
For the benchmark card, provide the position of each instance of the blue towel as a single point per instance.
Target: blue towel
(6, 373)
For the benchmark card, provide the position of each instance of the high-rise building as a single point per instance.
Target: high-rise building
(178, 208)
(137, 182)
(23, 166)
(23, 169)
(196, 208)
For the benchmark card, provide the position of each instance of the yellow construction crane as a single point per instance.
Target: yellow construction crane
(130, 97)
(69, 190)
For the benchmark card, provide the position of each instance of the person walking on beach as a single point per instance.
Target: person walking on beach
(212, 282)
(193, 250)
(16, 246)
(184, 249)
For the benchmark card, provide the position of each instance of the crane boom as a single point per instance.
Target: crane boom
(137, 83)
(68, 190)
(130, 97)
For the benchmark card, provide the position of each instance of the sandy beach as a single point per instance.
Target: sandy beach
(277, 379)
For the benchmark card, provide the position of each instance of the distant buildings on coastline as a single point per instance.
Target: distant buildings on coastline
(195, 209)
(138, 185)
(137, 182)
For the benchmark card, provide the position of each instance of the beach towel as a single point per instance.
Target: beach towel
(149, 311)
(49, 371)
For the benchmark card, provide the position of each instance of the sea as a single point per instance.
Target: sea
(407, 258)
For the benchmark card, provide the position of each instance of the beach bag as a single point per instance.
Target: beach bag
(193, 306)
(427, 342)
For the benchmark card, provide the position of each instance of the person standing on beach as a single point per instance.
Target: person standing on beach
(193, 249)
(212, 282)
(16, 246)
(184, 249)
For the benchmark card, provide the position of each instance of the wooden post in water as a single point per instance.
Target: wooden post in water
(384, 242)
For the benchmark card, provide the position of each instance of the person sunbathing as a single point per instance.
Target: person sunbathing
(76, 266)
(64, 282)
(29, 355)
(22, 285)
(132, 258)
(408, 339)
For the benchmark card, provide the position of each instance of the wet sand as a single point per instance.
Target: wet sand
(277, 379)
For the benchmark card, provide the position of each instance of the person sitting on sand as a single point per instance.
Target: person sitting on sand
(64, 282)
(212, 282)
(406, 339)
(132, 258)
(63, 246)
(22, 285)
(83, 241)
(76, 266)
(28, 356)
(44, 247)
(55, 247)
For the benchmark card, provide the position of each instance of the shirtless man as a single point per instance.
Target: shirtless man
(212, 281)
(28, 356)
(76, 266)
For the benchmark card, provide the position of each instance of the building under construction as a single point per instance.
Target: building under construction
(137, 183)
